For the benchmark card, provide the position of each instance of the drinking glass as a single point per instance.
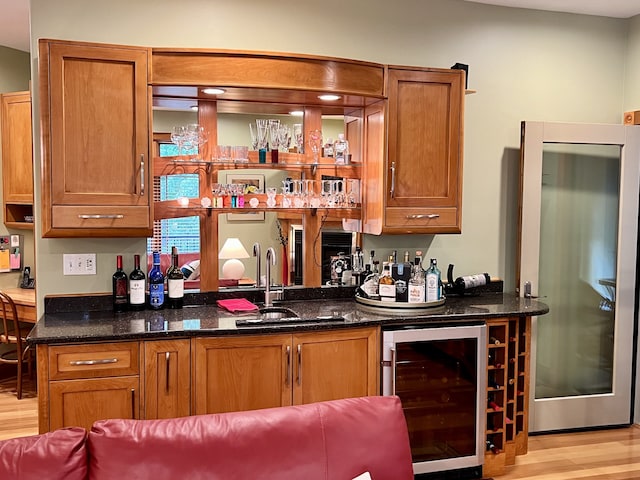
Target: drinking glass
(271, 196)
(298, 137)
(178, 136)
(197, 137)
(315, 143)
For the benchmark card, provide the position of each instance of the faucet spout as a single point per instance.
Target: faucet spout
(257, 254)
(270, 260)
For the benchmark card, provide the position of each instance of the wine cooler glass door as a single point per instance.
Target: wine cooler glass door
(439, 374)
(578, 251)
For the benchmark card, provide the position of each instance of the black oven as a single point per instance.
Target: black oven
(438, 373)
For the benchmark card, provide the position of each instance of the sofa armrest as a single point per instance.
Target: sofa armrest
(60, 454)
(340, 439)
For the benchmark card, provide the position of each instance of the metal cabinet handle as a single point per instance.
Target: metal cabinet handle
(97, 217)
(167, 358)
(299, 374)
(393, 180)
(133, 403)
(288, 375)
(103, 361)
(393, 371)
(141, 174)
(424, 215)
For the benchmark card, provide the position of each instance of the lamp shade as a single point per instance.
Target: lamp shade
(232, 250)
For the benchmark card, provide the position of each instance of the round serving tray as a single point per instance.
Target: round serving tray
(399, 307)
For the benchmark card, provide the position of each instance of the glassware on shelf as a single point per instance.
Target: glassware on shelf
(179, 136)
(286, 197)
(197, 136)
(262, 132)
(271, 196)
(240, 154)
(315, 143)
(298, 137)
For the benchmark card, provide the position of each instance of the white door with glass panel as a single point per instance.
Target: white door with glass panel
(578, 249)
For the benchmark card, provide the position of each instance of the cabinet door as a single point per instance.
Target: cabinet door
(17, 163)
(424, 164)
(335, 364)
(167, 378)
(96, 130)
(79, 403)
(243, 373)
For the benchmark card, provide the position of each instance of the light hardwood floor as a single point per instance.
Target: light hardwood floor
(599, 455)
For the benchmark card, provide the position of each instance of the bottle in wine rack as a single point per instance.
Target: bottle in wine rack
(494, 406)
(494, 340)
(491, 447)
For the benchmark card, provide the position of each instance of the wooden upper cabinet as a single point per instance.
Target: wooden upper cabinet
(422, 173)
(95, 113)
(17, 160)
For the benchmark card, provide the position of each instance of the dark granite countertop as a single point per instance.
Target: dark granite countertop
(208, 320)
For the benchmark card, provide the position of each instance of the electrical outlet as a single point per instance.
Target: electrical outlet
(79, 263)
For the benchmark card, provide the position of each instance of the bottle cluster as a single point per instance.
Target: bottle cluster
(402, 281)
(165, 289)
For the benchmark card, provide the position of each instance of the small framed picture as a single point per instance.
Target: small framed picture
(253, 183)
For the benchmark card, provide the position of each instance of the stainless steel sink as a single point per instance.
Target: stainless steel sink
(280, 316)
(278, 313)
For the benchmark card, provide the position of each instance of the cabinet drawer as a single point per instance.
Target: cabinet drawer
(90, 216)
(423, 220)
(91, 361)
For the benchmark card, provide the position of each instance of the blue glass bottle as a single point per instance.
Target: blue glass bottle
(156, 284)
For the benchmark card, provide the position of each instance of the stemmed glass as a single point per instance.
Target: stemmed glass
(298, 137)
(198, 136)
(179, 136)
(262, 132)
(315, 143)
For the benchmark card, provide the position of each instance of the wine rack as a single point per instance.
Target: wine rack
(508, 348)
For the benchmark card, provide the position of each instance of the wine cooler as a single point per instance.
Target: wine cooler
(439, 375)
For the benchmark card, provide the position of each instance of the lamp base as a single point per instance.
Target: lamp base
(233, 269)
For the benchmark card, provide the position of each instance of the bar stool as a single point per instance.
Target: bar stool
(12, 335)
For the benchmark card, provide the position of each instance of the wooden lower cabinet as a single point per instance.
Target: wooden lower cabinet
(82, 402)
(252, 372)
(79, 384)
(167, 378)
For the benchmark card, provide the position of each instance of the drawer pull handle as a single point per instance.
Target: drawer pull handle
(98, 217)
(288, 375)
(103, 361)
(392, 192)
(430, 216)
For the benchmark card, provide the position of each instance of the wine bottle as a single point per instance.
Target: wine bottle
(492, 447)
(136, 286)
(119, 287)
(494, 406)
(156, 284)
(175, 282)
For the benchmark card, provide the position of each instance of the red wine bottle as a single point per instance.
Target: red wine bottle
(137, 286)
(175, 282)
(492, 447)
(119, 287)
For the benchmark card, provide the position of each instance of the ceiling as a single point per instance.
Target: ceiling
(14, 21)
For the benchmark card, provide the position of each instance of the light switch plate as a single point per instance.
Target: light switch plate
(79, 263)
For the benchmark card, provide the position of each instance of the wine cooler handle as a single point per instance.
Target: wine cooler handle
(393, 371)
(393, 180)
(430, 216)
(133, 403)
(167, 357)
(98, 217)
(288, 374)
(299, 372)
(141, 174)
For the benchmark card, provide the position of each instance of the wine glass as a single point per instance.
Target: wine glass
(178, 136)
(298, 137)
(315, 143)
(197, 136)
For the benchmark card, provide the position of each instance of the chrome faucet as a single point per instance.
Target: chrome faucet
(270, 260)
(257, 254)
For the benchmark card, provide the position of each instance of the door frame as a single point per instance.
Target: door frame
(533, 137)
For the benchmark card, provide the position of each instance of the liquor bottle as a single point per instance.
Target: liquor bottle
(156, 284)
(175, 282)
(433, 281)
(387, 287)
(416, 283)
(341, 149)
(136, 286)
(401, 274)
(370, 285)
(119, 287)
(465, 284)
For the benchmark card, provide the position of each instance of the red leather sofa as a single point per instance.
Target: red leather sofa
(336, 440)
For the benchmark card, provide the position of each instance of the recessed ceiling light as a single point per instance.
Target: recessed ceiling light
(329, 97)
(296, 113)
(213, 91)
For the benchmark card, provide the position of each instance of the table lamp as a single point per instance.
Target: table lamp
(232, 250)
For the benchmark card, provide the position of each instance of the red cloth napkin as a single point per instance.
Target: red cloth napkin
(237, 305)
